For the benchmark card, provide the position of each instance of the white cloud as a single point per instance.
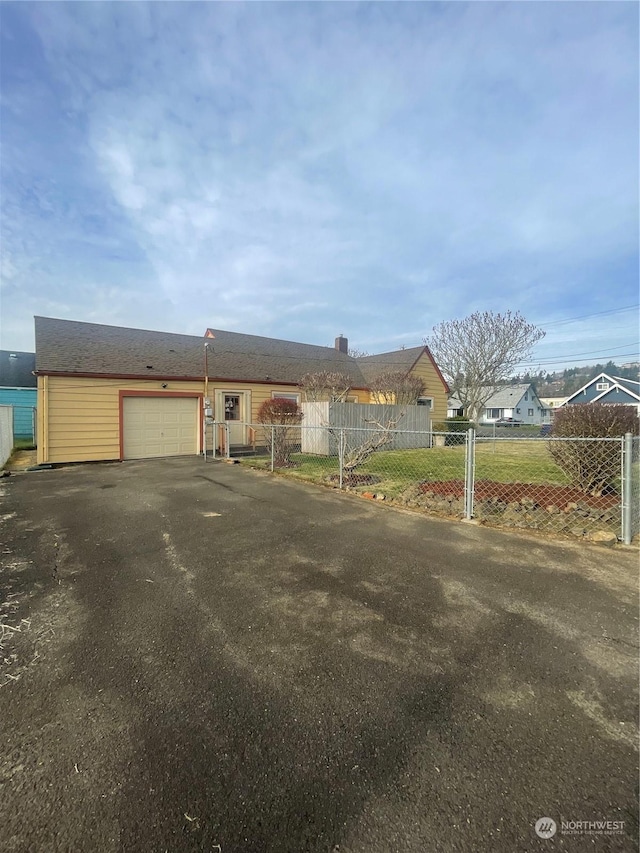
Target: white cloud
(366, 169)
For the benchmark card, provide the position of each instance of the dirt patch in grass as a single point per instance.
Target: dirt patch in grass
(355, 479)
(543, 495)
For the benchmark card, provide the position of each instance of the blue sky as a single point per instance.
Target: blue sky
(305, 170)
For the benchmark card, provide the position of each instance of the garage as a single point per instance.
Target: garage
(159, 426)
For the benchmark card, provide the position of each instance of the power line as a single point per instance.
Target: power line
(588, 316)
(605, 350)
(570, 359)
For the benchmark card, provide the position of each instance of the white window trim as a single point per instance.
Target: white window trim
(602, 386)
(286, 395)
(428, 405)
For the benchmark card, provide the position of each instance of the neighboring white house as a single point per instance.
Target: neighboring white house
(515, 402)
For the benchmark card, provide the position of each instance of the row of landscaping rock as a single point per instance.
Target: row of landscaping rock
(573, 518)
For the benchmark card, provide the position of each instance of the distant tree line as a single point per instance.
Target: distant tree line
(562, 383)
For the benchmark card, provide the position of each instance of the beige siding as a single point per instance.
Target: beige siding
(433, 387)
(260, 393)
(79, 418)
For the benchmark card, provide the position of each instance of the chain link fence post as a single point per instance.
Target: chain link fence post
(341, 447)
(273, 448)
(627, 485)
(469, 472)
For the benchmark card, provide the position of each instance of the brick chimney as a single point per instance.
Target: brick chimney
(342, 344)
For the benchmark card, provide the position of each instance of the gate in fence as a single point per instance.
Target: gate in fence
(24, 424)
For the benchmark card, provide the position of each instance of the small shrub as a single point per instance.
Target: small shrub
(283, 414)
(455, 427)
(593, 466)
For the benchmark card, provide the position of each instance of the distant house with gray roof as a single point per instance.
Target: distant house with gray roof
(517, 403)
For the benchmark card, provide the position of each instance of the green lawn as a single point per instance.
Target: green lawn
(503, 461)
(23, 444)
(517, 462)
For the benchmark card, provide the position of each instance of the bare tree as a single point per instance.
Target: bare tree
(354, 352)
(374, 440)
(396, 387)
(325, 385)
(478, 354)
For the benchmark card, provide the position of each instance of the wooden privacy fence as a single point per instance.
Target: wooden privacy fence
(6, 433)
(322, 421)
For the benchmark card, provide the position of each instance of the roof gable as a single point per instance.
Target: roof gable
(371, 366)
(403, 360)
(617, 394)
(629, 386)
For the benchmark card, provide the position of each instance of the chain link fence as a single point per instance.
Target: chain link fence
(570, 486)
(586, 488)
(24, 426)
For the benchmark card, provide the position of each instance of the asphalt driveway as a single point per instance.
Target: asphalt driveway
(197, 657)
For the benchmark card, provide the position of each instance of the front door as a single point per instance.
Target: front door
(233, 405)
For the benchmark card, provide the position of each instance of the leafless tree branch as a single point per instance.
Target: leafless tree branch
(478, 354)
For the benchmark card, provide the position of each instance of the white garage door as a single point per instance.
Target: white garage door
(159, 426)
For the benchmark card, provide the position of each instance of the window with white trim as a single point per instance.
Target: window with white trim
(285, 396)
(425, 401)
(530, 412)
(602, 386)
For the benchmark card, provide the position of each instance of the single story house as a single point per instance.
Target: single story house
(109, 393)
(517, 402)
(18, 388)
(607, 389)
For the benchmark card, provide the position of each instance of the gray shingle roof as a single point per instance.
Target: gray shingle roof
(507, 397)
(372, 366)
(68, 346)
(256, 357)
(629, 385)
(16, 369)
(503, 398)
